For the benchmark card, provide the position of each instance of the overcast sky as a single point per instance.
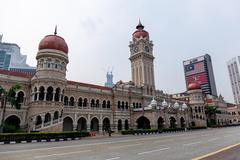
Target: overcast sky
(98, 33)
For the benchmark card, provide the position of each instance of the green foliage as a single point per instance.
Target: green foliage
(40, 135)
(10, 128)
(210, 110)
(154, 131)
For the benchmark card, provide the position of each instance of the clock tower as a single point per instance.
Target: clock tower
(141, 57)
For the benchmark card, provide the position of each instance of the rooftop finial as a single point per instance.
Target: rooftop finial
(139, 26)
(55, 32)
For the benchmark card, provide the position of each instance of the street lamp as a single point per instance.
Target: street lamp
(163, 107)
(131, 110)
(184, 108)
(176, 105)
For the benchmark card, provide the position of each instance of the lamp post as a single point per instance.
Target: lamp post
(164, 106)
(184, 108)
(131, 110)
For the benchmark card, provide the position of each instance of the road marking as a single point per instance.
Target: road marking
(213, 153)
(189, 144)
(228, 136)
(84, 145)
(203, 135)
(213, 139)
(61, 154)
(156, 150)
(112, 158)
(129, 145)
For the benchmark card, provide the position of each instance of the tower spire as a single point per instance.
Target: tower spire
(55, 31)
(139, 26)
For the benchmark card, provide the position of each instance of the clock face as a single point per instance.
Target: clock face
(146, 48)
(135, 49)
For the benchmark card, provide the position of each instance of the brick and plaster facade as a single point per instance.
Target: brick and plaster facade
(51, 103)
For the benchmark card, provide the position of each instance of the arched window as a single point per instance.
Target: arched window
(20, 97)
(134, 106)
(108, 104)
(196, 109)
(63, 66)
(47, 118)
(56, 115)
(92, 103)
(38, 120)
(41, 63)
(62, 95)
(199, 109)
(140, 105)
(104, 104)
(71, 101)
(97, 103)
(57, 94)
(85, 102)
(49, 61)
(35, 93)
(56, 64)
(66, 101)
(49, 94)
(122, 106)
(80, 103)
(119, 104)
(126, 106)
(41, 93)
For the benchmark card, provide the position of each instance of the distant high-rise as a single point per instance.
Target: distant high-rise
(109, 82)
(200, 69)
(12, 59)
(233, 69)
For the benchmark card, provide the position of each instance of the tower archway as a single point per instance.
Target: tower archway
(143, 123)
(67, 124)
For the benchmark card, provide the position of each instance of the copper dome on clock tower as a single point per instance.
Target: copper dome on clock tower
(140, 32)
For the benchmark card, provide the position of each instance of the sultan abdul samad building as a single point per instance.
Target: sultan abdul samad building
(51, 103)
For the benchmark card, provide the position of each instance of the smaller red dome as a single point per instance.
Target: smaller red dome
(140, 32)
(194, 86)
(53, 42)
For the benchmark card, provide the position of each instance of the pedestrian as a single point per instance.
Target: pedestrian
(109, 132)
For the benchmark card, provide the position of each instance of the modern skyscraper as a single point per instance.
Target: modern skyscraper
(4, 60)
(200, 69)
(12, 59)
(233, 70)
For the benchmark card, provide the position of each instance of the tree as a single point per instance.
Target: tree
(8, 96)
(211, 113)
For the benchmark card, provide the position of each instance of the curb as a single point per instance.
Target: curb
(40, 140)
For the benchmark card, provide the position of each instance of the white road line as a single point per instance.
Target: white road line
(112, 158)
(100, 143)
(203, 135)
(213, 139)
(228, 136)
(189, 144)
(61, 154)
(83, 145)
(147, 152)
(130, 145)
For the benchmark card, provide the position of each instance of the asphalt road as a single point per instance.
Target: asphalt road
(168, 146)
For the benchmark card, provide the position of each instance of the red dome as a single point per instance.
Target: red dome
(194, 85)
(53, 42)
(140, 32)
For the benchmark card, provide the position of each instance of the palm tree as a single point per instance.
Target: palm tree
(8, 96)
